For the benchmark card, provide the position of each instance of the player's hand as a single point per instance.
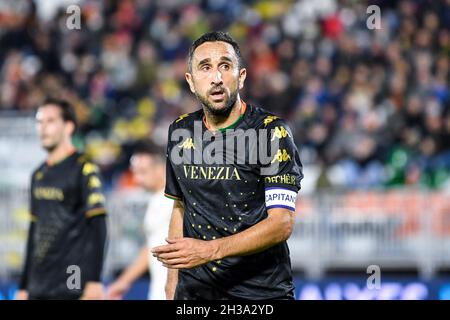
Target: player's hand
(93, 291)
(117, 289)
(184, 253)
(22, 295)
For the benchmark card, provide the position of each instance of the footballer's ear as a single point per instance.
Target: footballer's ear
(70, 128)
(242, 76)
(189, 80)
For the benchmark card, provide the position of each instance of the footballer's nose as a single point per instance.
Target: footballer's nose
(217, 79)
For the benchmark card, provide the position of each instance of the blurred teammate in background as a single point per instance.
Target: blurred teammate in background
(148, 167)
(67, 234)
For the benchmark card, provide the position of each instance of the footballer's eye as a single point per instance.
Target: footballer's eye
(225, 66)
(205, 67)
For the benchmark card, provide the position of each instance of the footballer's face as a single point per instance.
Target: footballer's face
(215, 77)
(51, 127)
(147, 171)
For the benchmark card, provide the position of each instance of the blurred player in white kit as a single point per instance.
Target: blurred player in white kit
(148, 167)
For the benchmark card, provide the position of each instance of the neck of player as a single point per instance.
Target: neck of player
(60, 152)
(219, 122)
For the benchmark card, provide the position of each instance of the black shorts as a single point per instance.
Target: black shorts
(62, 296)
(202, 292)
(52, 298)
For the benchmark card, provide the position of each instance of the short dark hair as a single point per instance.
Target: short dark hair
(148, 147)
(67, 110)
(212, 37)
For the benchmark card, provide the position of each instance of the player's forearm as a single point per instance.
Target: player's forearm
(95, 254)
(176, 220)
(137, 268)
(171, 283)
(175, 231)
(28, 254)
(277, 227)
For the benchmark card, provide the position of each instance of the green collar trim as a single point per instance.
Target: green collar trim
(231, 126)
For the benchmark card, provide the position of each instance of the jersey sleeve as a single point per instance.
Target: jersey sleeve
(95, 248)
(93, 198)
(172, 189)
(29, 249)
(32, 200)
(29, 252)
(283, 174)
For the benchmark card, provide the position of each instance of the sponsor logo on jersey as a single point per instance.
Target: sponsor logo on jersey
(211, 173)
(48, 193)
(282, 179)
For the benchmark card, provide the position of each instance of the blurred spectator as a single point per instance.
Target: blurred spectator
(369, 108)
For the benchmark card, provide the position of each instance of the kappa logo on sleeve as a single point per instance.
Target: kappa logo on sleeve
(280, 133)
(269, 119)
(94, 182)
(182, 117)
(39, 175)
(95, 198)
(89, 168)
(281, 156)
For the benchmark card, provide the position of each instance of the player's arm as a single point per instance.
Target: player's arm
(173, 191)
(175, 232)
(95, 213)
(189, 253)
(276, 228)
(94, 258)
(130, 275)
(22, 293)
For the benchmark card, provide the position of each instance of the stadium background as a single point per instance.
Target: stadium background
(370, 111)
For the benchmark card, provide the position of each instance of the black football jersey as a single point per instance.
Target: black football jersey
(227, 180)
(64, 196)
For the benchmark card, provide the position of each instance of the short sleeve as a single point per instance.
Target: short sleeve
(172, 189)
(283, 175)
(93, 198)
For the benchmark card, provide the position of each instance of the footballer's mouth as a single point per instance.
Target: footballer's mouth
(217, 94)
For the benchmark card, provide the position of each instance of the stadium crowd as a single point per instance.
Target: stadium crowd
(369, 108)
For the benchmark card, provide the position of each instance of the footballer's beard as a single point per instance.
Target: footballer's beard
(50, 146)
(223, 112)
